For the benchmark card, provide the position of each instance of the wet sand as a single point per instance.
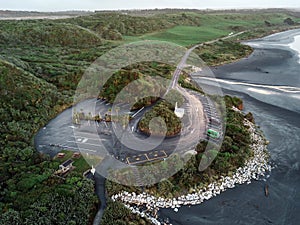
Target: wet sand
(276, 111)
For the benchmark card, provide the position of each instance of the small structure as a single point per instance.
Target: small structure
(179, 112)
(66, 166)
(93, 170)
(76, 155)
(61, 155)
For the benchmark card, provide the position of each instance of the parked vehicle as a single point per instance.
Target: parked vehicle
(212, 133)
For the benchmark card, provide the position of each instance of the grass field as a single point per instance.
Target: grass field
(187, 35)
(212, 26)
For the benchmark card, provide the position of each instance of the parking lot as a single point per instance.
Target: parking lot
(84, 138)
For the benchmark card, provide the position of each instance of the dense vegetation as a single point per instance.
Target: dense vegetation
(113, 26)
(142, 72)
(30, 194)
(47, 34)
(117, 214)
(165, 111)
(57, 53)
(26, 104)
(223, 52)
(35, 54)
(41, 63)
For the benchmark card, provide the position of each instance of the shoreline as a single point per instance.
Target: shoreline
(259, 38)
(260, 74)
(255, 168)
(294, 47)
(284, 39)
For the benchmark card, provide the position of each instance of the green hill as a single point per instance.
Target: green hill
(113, 25)
(46, 33)
(26, 99)
(56, 52)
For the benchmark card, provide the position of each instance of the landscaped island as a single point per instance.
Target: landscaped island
(41, 63)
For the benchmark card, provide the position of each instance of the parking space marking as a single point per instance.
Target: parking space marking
(72, 147)
(137, 159)
(89, 144)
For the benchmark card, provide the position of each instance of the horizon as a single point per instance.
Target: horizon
(149, 9)
(119, 5)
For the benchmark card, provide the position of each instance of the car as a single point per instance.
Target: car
(213, 134)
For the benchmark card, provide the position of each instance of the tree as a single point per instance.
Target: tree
(289, 21)
(11, 217)
(267, 23)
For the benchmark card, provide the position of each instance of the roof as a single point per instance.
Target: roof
(61, 155)
(67, 163)
(76, 153)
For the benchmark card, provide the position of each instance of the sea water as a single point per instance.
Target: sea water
(295, 45)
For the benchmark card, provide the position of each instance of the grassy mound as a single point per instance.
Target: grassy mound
(142, 71)
(46, 33)
(166, 112)
(56, 52)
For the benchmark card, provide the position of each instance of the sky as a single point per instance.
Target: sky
(61, 5)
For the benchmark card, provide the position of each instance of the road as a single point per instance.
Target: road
(182, 63)
(179, 68)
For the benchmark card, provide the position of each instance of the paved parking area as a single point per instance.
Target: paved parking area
(91, 143)
(147, 157)
(86, 142)
(85, 139)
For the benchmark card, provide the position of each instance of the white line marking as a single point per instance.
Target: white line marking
(95, 139)
(89, 150)
(66, 146)
(89, 144)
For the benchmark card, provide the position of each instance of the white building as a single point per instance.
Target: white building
(179, 112)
